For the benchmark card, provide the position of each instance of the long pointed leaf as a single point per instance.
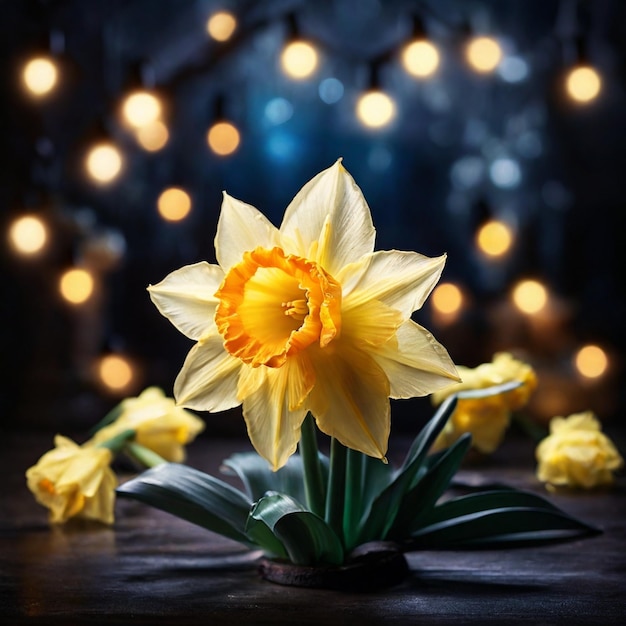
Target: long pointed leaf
(194, 496)
(307, 539)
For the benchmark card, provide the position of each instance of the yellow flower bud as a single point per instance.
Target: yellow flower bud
(577, 453)
(74, 481)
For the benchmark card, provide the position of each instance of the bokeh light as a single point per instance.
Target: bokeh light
(583, 84)
(420, 58)
(174, 204)
(494, 238)
(299, 59)
(153, 137)
(221, 25)
(28, 235)
(115, 372)
(484, 54)
(375, 109)
(223, 138)
(447, 298)
(529, 296)
(104, 162)
(76, 285)
(591, 361)
(40, 76)
(141, 108)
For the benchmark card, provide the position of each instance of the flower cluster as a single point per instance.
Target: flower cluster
(488, 417)
(74, 480)
(577, 453)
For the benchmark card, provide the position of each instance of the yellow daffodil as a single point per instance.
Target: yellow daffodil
(305, 318)
(158, 423)
(487, 418)
(74, 481)
(576, 453)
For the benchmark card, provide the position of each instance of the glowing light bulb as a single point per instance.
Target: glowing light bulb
(76, 285)
(420, 58)
(152, 137)
(223, 138)
(221, 25)
(530, 296)
(174, 204)
(40, 76)
(494, 238)
(447, 298)
(484, 54)
(299, 59)
(28, 235)
(104, 163)
(115, 372)
(375, 109)
(141, 108)
(583, 84)
(591, 361)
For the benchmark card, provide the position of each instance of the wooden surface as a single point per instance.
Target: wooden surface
(152, 568)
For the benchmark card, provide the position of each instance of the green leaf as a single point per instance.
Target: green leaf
(424, 493)
(485, 392)
(305, 537)
(514, 525)
(193, 496)
(384, 507)
(258, 477)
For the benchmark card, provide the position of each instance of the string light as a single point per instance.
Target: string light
(420, 58)
(40, 76)
(529, 296)
(76, 285)
(221, 26)
(153, 137)
(28, 235)
(494, 238)
(174, 204)
(299, 59)
(104, 163)
(583, 84)
(141, 108)
(115, 372)
(223, 138)
(591, 361)
(483, 54)
(375, 109)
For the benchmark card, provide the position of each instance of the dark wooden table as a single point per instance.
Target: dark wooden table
(152, 568)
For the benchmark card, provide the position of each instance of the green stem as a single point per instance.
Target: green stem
(335, 497)
(313, 478)
(354, 495)
(117, 443)
(144, 455)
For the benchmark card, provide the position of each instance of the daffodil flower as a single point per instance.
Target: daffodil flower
(305, 318)
(158, 423)
(74, 481)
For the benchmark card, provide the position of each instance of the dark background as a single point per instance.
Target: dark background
(426, 178)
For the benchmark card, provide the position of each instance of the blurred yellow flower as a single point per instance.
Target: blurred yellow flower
(74, 481)
(576, 453)
(305, 318)
(487, 418)
(158, 423)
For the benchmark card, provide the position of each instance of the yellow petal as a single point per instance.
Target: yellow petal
(329, 221)
(187, 298)
(208, 378)
(402, 280)
(272, 419)
(416, 363)
(241, 228)
(350, 399)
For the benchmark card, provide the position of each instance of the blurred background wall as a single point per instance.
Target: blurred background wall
(510, 158)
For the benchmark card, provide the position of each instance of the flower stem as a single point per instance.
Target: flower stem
(313, 480)
(117, 443)
(335, 497)
(354, 495)
(144, 455)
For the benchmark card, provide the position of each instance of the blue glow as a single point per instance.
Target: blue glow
(331, 90)
(467, 172)
(278, 111)
(379, 158)
(505, 173)
(513, 69)
(281, 146)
